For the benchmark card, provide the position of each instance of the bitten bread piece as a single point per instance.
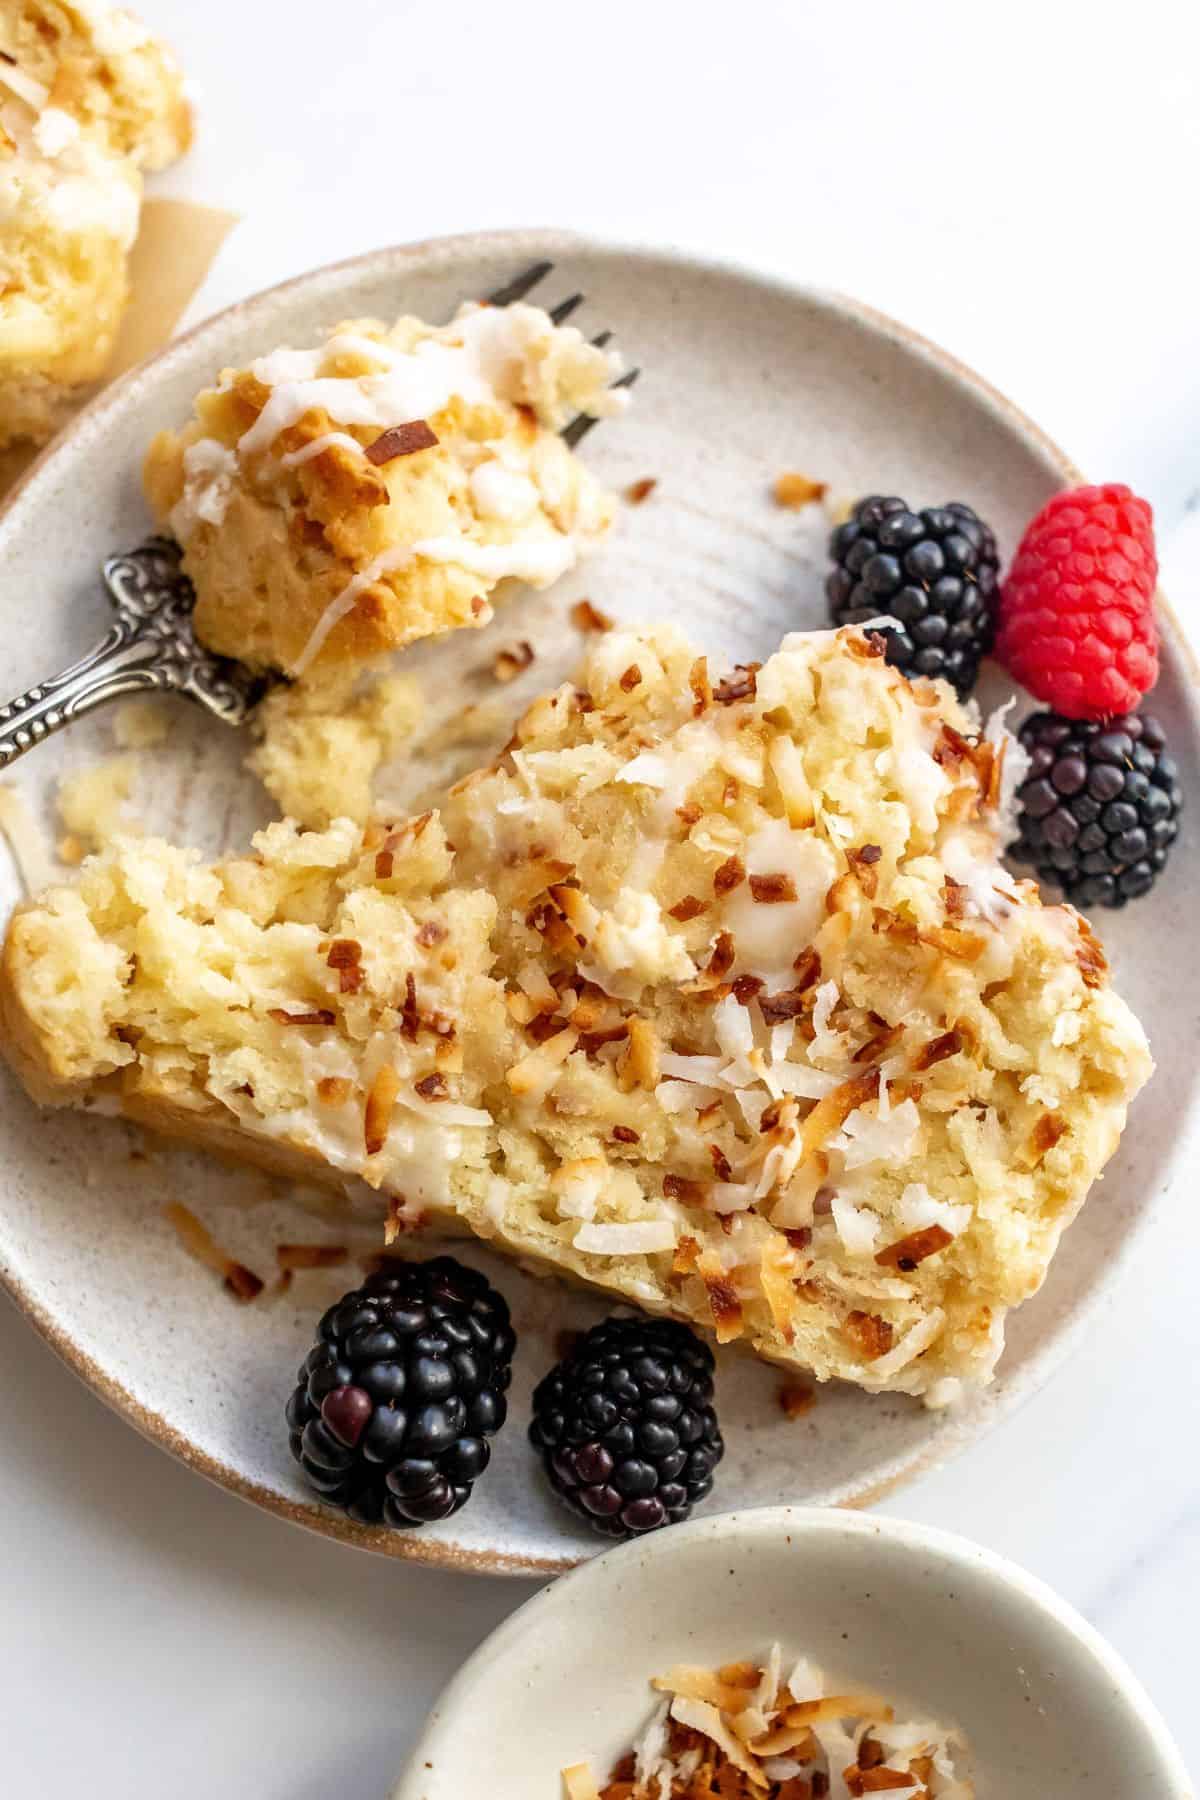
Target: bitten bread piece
(720, 1002)
(335, 504)
(87, 101)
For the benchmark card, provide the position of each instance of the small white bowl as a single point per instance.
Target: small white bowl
(934, 1622)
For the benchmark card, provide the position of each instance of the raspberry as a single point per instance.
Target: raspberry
(1077, 609)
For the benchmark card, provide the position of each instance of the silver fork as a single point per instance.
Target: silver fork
(151, 647)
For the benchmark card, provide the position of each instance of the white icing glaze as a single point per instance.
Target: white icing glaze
(502, 493)
(484, 355)
(209, 470)
(327, 441)
(398, 557)
(769, 936)
(539, 561)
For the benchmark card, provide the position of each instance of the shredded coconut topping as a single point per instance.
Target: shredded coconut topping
(743, 1732)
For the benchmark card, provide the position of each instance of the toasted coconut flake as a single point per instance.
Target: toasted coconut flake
(843, 895)
(586, 617)
(796, 1399)
(794, 490)
(721, 961)
(787, 765)
(840, 1706)
(965, 946)
(311, 1256)
(334, 1090)
(831, 1113)
(878, 1045)
(433, 1086)
(1045, 1134)
(692, 1682)
(700, 685)
(789, 1003)
(639, 1066)
(740, 684)
(723, 1299)
(319, 1015)
(535, 1074)
(401, 440)
(630, 678)
(579, 1783)
(785, 1738)
(508, 664)
(699, 1715)
(877, 1780)
(863, 867)
(686, 1191)
(731, 874)
(381, 1101)
(870, 1335)
(199, 1242)
(410, 1018)
(807, 967)
(690, 907)
(772, 890)
(955, 895)
(687, 1256)
(937, 1050)
(1090, 957)
(909, 1251)
(777, 1273)
(739, 1674)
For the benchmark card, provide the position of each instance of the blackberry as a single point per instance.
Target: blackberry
(626, 1426)
(936, 571)
(396, 1400)
(1099, 807)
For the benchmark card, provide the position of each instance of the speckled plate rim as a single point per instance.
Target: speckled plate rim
(583, 1591)
(525, 246)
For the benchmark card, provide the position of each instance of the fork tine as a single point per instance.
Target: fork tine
(601, 338)
(582, 423)
(520, 285)
(562, 312)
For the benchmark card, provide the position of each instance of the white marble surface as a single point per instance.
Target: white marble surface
(1016, 181)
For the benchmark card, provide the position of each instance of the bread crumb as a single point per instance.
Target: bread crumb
(796, 1400)
(637, 491)
(91, 802)
(321, 747)
(795, 490)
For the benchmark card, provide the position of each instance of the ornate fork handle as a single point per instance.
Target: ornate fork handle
(150, 648)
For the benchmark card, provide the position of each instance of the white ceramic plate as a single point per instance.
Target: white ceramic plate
(944, 1629)
(743, 377)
